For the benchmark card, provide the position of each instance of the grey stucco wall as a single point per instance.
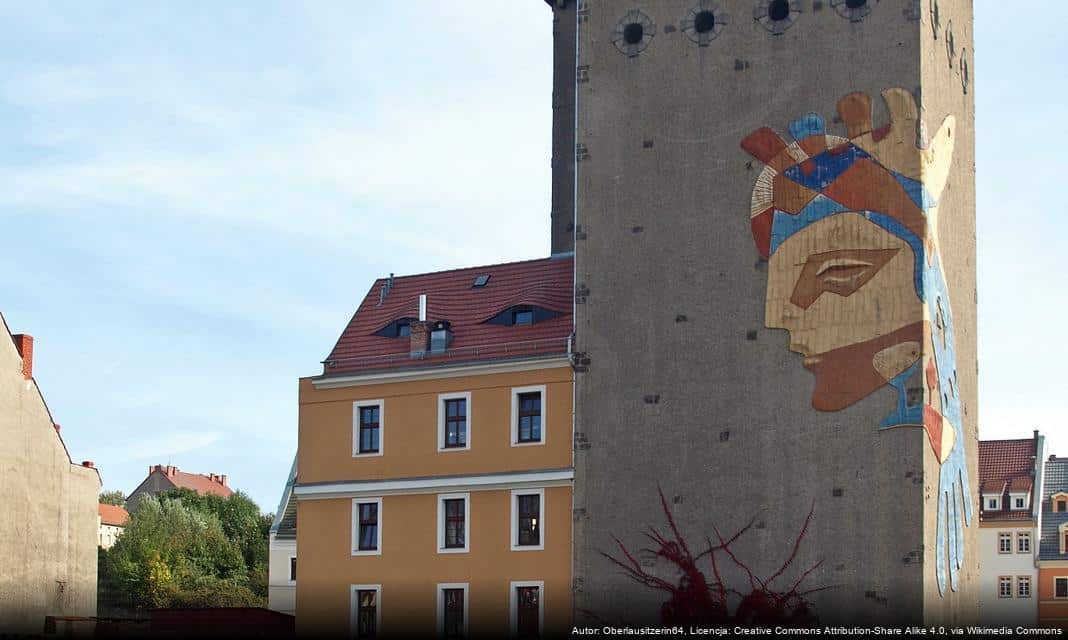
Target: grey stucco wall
(48, 535)
(686, 387)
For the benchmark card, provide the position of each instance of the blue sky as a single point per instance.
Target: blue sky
(194, 197)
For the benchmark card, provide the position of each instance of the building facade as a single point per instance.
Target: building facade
(48, 536)
(1052, 589)
(774, 239)
(434, 467)
(282, 550)
(162, 478)
(113, 520)
(1010, 506)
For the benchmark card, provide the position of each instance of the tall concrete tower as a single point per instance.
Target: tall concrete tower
(775, 300)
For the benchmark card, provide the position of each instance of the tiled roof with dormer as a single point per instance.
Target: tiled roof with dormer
(1006, 467)
(451, 296)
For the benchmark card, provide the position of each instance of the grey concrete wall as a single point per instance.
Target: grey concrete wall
(686, 387)
(48, 535)
(563, 161)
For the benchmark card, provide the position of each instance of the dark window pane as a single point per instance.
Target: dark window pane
(529, 520)
(529, 417)
(454, 524)
(523, 317)
(369, 429)
(366, 614)
(1062, 588)
(527, 607)
(454, 613)
(404, 330)
(368, 527)
(456, 423)
(292, 568)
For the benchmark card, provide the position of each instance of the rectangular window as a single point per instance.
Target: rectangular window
(1005, 587)
(452, 610)
(366, 526)
(1023, 543)
(1023, 586)
(1060, 587)
(292, 569)
(1004, 543)
(529, 427)
(528, 522)
(1019, 503)
(1062, 505)
(992, 504)
(367, 428)
(526, 612)
(366, 612)
(454, 422)
(454, 510)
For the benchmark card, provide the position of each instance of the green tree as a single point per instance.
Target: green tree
(115, 497)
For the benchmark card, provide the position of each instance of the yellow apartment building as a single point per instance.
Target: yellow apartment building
(434, 491)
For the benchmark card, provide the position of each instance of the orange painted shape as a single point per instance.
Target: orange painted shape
(761, 226)
(813, 145)
(855, 111)
(932, 424)
(790, 196)
(866, 186)
(766, 145)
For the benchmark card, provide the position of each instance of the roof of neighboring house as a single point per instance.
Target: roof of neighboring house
(452, 297)
(1006, 466)
(1056, 481)
(113, 515)
(284, 526)
(202, 484)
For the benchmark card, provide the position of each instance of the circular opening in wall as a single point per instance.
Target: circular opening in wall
(704, 22)
(856, 4)
(779, 10)
(633, 33)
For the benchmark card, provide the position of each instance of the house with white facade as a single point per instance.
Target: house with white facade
(113, 521)
(1010, 481)
(282, 567)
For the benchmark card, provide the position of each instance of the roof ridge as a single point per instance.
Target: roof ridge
(557, 258)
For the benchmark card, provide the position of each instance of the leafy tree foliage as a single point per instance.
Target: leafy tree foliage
(116, 498)
(181, 549)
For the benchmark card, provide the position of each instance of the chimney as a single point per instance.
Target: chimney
(24, 345)
(440, 337)
(88, 464)
(418, 335)
(171, 471)
(222, 480)
(58, 428)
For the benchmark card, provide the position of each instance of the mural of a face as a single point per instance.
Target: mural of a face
(848, 226)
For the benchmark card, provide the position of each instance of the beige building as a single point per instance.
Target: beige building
(434, 482)
(48, 536)
(113, 521)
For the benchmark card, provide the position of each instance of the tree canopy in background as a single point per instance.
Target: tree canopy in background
(182, 549)
(116, 498)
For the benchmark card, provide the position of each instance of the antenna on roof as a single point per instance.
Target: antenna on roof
(386, 288)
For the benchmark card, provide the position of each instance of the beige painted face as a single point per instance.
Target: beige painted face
(857, 286)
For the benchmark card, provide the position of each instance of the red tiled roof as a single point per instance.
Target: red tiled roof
(545, 283)
(1005, 459)
(200, 483)
(113, 515)
(1005, 466)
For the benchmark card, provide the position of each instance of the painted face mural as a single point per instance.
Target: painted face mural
(849, 226)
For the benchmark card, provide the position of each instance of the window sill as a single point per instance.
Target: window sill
(449, 449)
(456, 550)
(539, 443)
(376, 454)
(528, 547)
(375, 552)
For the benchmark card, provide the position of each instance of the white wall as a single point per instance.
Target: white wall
(997, 611)
(281, 593)
(108, 535)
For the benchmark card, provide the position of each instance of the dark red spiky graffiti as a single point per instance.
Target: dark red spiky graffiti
(696, 600)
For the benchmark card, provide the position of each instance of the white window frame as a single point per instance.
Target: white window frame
(515, 520)
(515, 416)
(1002, 537)
(442, 586)
(1013, 497)
(513, 605)
(289, 570)
(356, 527)
(992, 503)
(1055, 579)
(1023, 535)
(1020, 580)
(442, 397)
(442, 497)
(356, 406)
(354, 606)
(1002, 581)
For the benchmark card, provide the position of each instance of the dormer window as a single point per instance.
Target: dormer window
(1017, 501)
(522, 315)
(1059, 501)
(992, 504)
(399, 328)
